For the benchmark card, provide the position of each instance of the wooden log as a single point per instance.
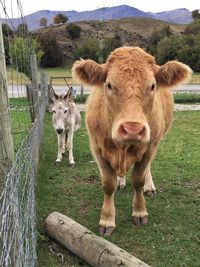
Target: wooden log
(94, 250)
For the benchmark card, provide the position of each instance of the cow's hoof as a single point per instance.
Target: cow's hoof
(58, 161)
(138, 221)
(150, 193)
(106, 231)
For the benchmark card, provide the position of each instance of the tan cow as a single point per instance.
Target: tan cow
(128, 112)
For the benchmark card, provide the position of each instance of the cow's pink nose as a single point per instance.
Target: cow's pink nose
(132, 131)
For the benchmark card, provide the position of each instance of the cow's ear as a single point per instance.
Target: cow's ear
(53, 95)
(172, 74)
(89, 72)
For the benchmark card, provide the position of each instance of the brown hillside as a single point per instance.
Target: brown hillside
(133, 31)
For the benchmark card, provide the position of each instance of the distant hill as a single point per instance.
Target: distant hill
(180, 16)
(132, 31)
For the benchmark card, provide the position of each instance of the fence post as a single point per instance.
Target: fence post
(44, 87)
(6, 139)
(82, 92)
(35, 86)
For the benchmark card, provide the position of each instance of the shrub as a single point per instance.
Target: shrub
(89, 50)
(22, 30)
(193, 28)
(156, 37)
(6, 30)
(73, 30)
(60, 18)
(43, 22)
(108, 45)
(21, 49)
(196, 14)
(53, 56)
(183, 48)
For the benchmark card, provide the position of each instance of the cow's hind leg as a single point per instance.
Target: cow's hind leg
(149, 187)
(121, 182)
(140, 170)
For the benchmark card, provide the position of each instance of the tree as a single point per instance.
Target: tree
(155, 38)
(193, 28)
(73, 30)
(167, 49)
(108, 45)
(53, 56)
(60, 18)
(43, 22)
(22, 30)
(196, 14)
(21, 49)
(6, 30)
(90, 50)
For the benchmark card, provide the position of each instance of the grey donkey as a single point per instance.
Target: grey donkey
(66, 121)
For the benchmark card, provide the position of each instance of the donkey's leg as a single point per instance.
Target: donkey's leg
(70, 146)
(63, 143)
(60, 146)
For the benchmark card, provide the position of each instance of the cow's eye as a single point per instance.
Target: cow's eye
(108, 86)
(54, 111)
(153, 87)
(65, 111)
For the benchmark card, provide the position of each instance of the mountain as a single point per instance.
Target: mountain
(180, 16)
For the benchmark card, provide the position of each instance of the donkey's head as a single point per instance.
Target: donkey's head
(61, 109)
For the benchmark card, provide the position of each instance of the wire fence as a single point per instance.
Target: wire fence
(23, 101)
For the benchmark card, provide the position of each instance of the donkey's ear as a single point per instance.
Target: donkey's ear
(53, 95)
(69, 94)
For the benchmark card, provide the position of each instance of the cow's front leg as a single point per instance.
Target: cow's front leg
(107, 220)
(70, 146)
(61, 142)
(109, 184)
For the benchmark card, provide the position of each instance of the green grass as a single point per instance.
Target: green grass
(186, 98)
(63, 72)
(59, 72)
(20, 120)
(171, 237)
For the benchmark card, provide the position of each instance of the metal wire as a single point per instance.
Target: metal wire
(17, 193)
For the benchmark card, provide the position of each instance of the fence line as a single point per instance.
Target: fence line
(18, 235)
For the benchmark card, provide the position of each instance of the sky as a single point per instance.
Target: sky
(31, 6)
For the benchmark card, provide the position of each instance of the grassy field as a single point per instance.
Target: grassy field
(186, 98)
(20, 120)
(66, 71)
(171, 237)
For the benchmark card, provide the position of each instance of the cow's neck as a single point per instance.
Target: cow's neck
(122, 156)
